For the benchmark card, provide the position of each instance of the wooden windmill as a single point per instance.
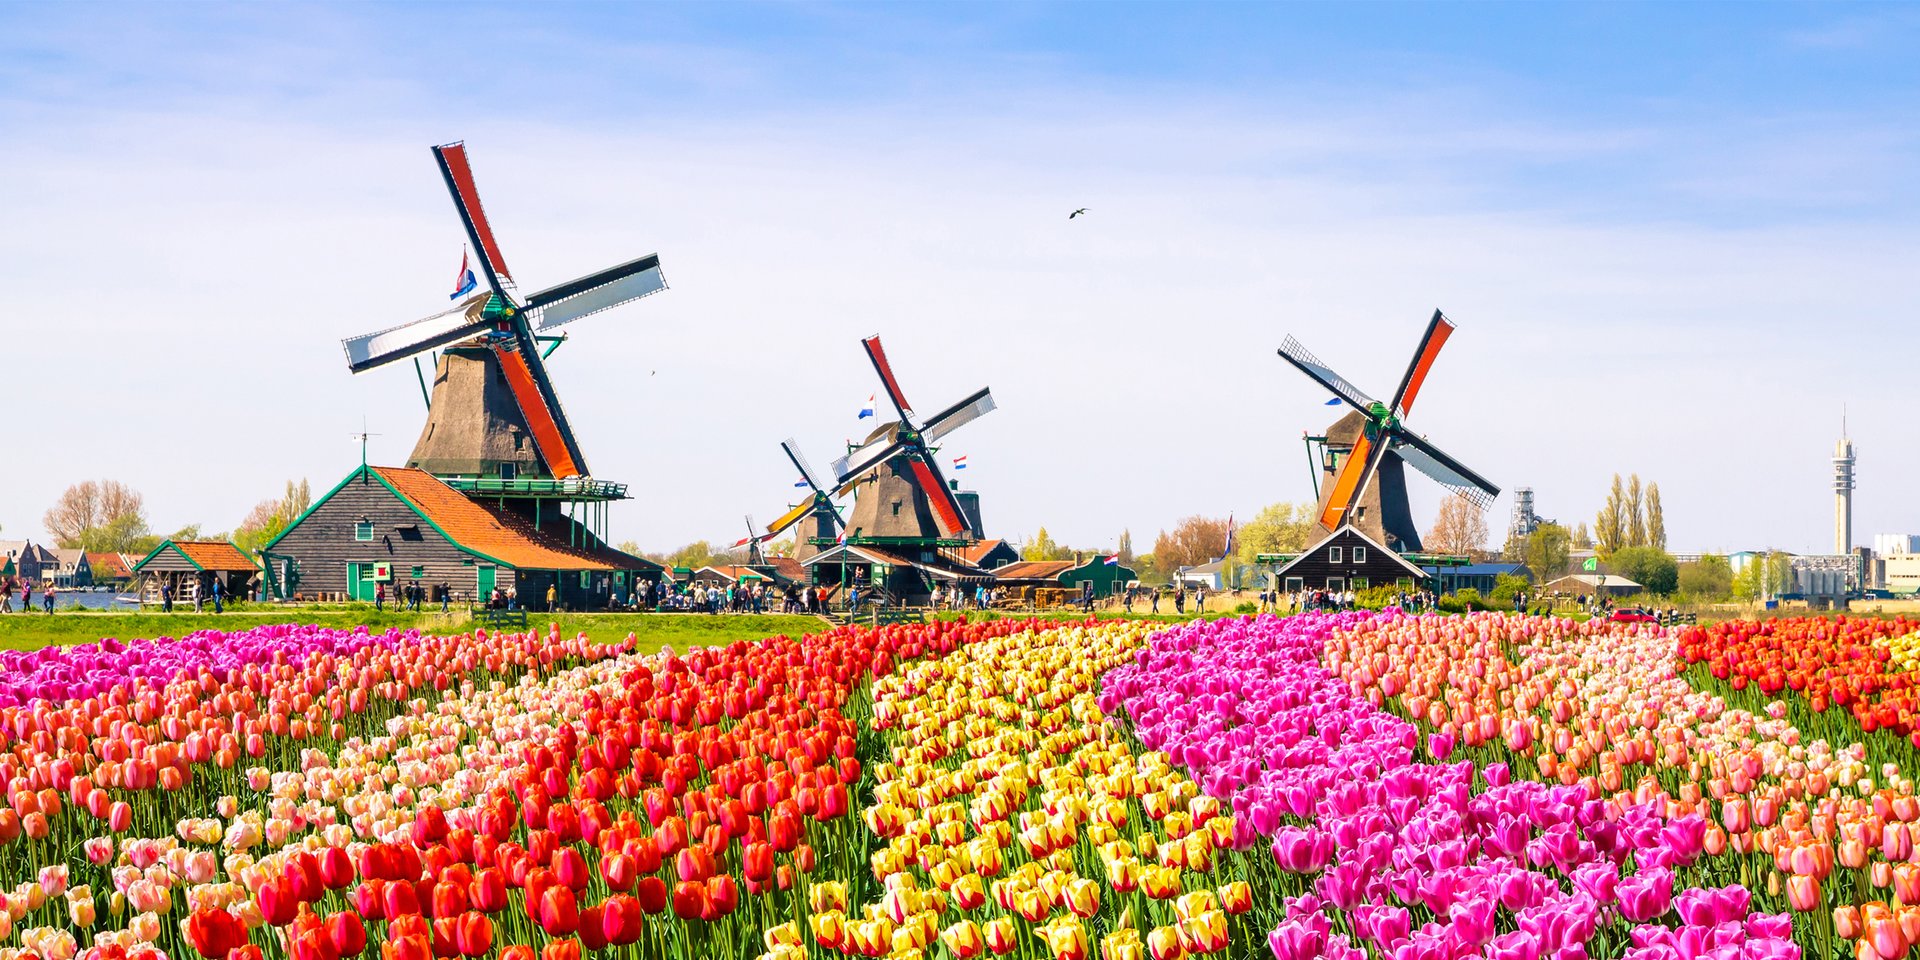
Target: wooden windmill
(822, 521)
(493, 412)
(1367, 448)
(902, 497)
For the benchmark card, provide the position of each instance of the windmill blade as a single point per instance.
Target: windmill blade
(1351, 482)
(398, 343)
(946, 508)
(1438, 330)
(878, 355)
(800, 463)
(1310, 365)
(791, 517)
(544, 421)
(857, 463)
(466, 199)
(959, 415)
(1444, 469)
(595, 292)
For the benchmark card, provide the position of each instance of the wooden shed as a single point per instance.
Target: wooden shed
(181, 564)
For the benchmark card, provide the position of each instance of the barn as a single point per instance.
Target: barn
(179, 564)
(402, 526)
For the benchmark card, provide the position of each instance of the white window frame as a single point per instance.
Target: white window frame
(1334, 554)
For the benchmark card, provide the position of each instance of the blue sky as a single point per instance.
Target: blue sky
(1677, 239)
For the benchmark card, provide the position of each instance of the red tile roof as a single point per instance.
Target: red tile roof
(979, 550)
(215, 555)
(500, 535)
(110, 566)
(1033, 570)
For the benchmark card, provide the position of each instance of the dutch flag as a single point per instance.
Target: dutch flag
(867, 411)
(800, 482)
(1113, 561)
(1229, 535)
(464, 281)
(960, 462)
(1333, 402)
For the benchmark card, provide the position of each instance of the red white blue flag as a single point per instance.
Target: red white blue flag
(464, 281)
(960, 462)
(1113, 561)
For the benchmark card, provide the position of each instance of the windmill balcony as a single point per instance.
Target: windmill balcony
(576, 489)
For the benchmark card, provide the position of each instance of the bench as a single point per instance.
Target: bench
(502, 618)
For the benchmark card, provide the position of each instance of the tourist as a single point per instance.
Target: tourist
(46, 597)
(6, 594)
(196, 594)
(26, 596)
(219, 596)
(553, 596)
(513, 597)
(166, 598)
(379, 597)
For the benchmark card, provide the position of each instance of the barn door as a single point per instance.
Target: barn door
(483, 579)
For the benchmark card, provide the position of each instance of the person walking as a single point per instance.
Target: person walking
(379, 597)
(166, 598)
(219, 597)
(6, 594)
(196, 594)
(46, 597)
(26, 596)
(1156, 600)
(553, 596)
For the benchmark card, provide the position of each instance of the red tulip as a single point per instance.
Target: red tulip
(448, 899)
(618, 870)
(518, 951)
(279, 901)
(475, 935)
(623, 920)
(593, 933)
(348, 934)
(757, 862)
(652, 893)
(213, 932)
(689, 900)
(336, 868)
(694, 863)
(559, 914)
(407, 948)
(399, 900)
(488, 891)
(723, 896)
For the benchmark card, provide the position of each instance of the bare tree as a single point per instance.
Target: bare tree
(90, 505)
(1125, 550)
(1460, 528)
(1194, 541)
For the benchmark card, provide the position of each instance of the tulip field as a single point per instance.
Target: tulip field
(1345, 785)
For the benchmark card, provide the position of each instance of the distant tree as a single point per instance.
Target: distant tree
(693, 556)
(1582, 540)
(269, 518)
(1125, 550)
(1505, 585)
(1651, 567)
(1277, 528)
(628, 547)
(1709, 578)
(1610, 526)
(1044, 547)
(1460, 528)
(1636, 513)
(1779, 572)
(1656, 520)
(1547, 551)
(122, 534)
(87, 506)
(1194, 541)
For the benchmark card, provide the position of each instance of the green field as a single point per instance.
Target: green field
(652, 631)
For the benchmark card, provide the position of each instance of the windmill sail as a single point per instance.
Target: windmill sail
(596, 292)
(1445, 470)
(959, 415)
(1297, 354)
(466, 199)
(409, 339)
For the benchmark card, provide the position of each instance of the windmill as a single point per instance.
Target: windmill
(752, 542)
(1369, 445)
(817, 507)
(492, 393)
(903, 497)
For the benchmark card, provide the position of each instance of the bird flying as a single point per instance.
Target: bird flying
(1076, 213)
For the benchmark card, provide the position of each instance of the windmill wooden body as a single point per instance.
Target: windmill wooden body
(816, 522)
(908, 525)
(495, 426)
(1368, 449)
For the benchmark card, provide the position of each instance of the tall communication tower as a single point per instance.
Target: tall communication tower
(1843, 491)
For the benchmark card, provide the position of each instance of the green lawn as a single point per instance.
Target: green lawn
(27, 631)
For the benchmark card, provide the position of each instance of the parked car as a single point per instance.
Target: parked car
(1633, 615)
